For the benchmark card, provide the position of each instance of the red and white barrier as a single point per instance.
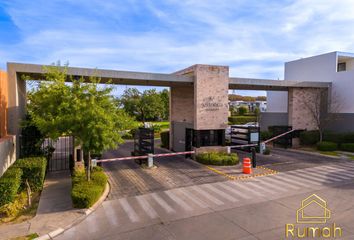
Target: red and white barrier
(146, 156)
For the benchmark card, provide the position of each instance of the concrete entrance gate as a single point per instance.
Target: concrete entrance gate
(198, 98)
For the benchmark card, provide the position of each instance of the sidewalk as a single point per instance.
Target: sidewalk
(54, 211)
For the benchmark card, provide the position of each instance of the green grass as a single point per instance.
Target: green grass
(351, 157)
(330, 153)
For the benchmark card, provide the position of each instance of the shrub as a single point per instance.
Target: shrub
(10, 183)
(349, 147)
(33, 170)
(13, 208)
(165, 139)
(216, 158)
(242, 110)
(85, 193)
(309, 137)
(338, 137)
(241, 119)
(327, 146)
(266, 135)
(266, 151)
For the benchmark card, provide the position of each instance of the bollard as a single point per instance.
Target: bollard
(150, 160)
(94, 162)
(247, 166)
(228, 149)
(254, 157)
(262, 148)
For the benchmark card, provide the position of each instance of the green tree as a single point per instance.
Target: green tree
(81, 109)
(165, 96)
(147, 105)
(242, 110)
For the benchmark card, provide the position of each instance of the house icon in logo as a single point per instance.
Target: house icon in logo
(313, 210)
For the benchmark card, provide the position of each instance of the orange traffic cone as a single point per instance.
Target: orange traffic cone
(247, 166)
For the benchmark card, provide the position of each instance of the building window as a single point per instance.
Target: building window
(342, 67)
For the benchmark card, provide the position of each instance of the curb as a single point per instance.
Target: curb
(85, 213)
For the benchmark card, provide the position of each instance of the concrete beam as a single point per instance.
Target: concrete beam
(272, 85)
(36, 71)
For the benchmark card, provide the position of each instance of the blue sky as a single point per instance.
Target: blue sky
(253, 37)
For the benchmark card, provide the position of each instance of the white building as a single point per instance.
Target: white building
(334, 67)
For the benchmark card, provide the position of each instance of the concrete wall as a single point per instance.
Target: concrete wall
(273, 118)
(277, 101)
(3, 103)
(7, 152)
(181, 115)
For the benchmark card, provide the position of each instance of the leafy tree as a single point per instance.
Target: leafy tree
(81, 109)
(242, 110)
(147, 105)
(165, 96)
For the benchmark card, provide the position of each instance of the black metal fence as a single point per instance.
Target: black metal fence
(61, 150)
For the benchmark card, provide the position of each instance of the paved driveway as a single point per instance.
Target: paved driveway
(255, 209)
(129, 179)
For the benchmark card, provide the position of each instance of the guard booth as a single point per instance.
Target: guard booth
(143, 143)
(243, 135)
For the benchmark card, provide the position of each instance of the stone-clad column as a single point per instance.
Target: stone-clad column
(305, 107)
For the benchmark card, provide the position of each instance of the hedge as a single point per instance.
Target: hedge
(242, 119)
(349, 147)
(327, 146)
(10, 183)
(85, 193)
(165, 139)
(33, 170)
(312, 137)
(216, 158)
(266, 135)
(309, 137)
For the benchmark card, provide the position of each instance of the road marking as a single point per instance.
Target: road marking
(233, 190)
(221, 193)
(179, 201)
(207, 195)
(192, 197)
(129, 210)
(309, 179)
(314, 176)
(109, 212)
(271, 185)
(264, 189)
(285, 178)
(330, 174)
(341, 171)
(279, 182)
(146, 206)
(162, 203)
(241, 185)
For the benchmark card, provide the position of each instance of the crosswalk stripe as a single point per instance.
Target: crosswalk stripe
(221, 193)
(307, 178)
(207, 195)
(129, 210)
(193, 198)
(329, 174)
(278, 182)
(285, 178)
(241, 185)
(318, 176)
(345, 165)
(264, 189)
(146, 206)
(341, 171)
(272, 185)
(178, 200)
(109, 212)
(162, 203)
(233, 190)
(297, 178)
